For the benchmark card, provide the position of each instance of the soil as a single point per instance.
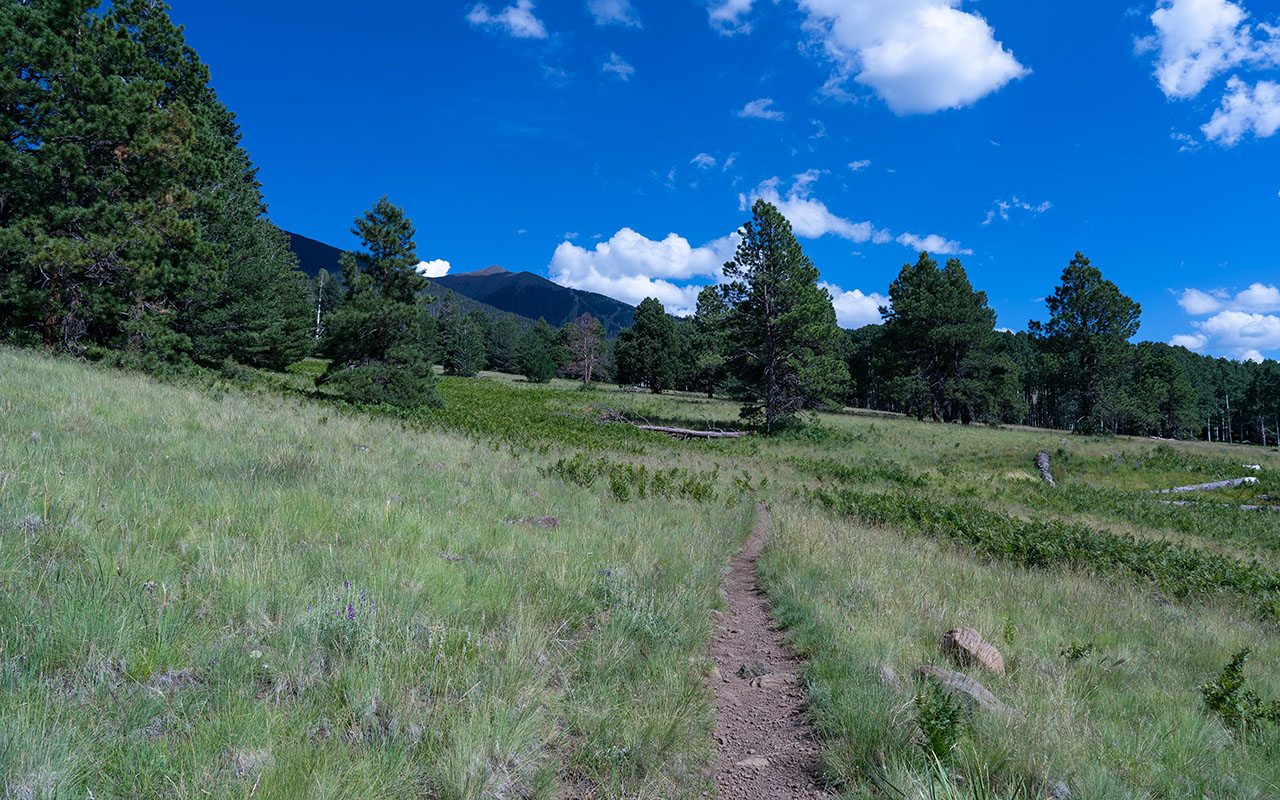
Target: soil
(767, 749)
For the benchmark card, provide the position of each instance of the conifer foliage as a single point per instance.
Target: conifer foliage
(130, 217)
(379, 338)
(785, 345)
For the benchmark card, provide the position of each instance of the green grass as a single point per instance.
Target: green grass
(177, 571)
(189, 572)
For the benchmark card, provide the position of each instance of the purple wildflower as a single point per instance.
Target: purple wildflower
(351, 612)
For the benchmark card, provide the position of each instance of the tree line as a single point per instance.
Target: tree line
(133, 229)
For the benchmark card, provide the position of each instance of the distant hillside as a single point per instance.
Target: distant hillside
(494, 290)
(533, 296)
(314, 256)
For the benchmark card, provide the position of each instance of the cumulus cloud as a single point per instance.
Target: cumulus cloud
(1258, 297)
(1001, 208)
(436, 268)
(613, 12)
(809, 216)
(1195, 41)
(517, 20)
(727, 16)
(704, 161)
(1196, 341)
(1246, 336)
(919, 56)
(1241, 324)
(760, 109)
(631, 267)
(935, 244)
(1245, 109)
(618, 67)
(855, 309)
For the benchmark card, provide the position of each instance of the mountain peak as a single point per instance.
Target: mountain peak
(487, 271)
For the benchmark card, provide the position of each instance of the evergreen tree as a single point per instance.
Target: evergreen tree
(708, 345)
(942, 331)
(129, 213)
(538, 353)
(462, 339)
(259, 313)
(376, 339)
(785, 344)
(500, 344)
(646, 351)
(586, 348)
(1090, 322)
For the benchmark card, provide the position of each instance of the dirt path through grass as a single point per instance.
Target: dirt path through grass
(767, 749)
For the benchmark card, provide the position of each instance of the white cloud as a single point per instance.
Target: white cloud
(1258, 297)
(728, 162)
(613, 12)
(1198, 40)
(631, 267)
(855, 309)
(1001, 209)
(1198, 303)
(859, 166)
(1245, 336)
(1245, 109)
(919, 56)
(935, 244)
(759, 109)
(1196, 341)
(809, 216)
(618, 67)
(517, 20)
(436, 268)
(704, 161)
(726, 16)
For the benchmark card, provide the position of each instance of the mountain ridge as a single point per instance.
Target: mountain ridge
(524, 294)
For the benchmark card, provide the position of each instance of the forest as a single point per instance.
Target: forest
(133, 230)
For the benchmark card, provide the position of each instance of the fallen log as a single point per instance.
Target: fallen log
(685, 433)
(1202, 487)
(1042, 461)
(1220, 505)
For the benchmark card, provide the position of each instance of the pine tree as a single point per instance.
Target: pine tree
(785, 346)
(128, 208)
(376, 340)
(500, 344)
(538, 353)
(708, 346)
(462, 339)
(941, 331)
(1090, 322)
(646, 351)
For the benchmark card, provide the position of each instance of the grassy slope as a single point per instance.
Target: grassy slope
(174, 615)
(568, 658)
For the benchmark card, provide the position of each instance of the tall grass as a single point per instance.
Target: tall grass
(212, 593)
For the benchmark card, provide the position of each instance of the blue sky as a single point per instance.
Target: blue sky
(614, 145)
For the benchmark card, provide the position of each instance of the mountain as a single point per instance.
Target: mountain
(534, 296)
(493, 289)
(314, 256)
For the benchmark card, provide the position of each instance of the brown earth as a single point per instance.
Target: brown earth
(767, 749)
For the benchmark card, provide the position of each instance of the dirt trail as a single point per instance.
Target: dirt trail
(767, 749)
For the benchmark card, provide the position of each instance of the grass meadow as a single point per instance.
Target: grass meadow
(235, 588)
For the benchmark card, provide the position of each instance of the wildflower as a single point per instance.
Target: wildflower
(351, 612)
